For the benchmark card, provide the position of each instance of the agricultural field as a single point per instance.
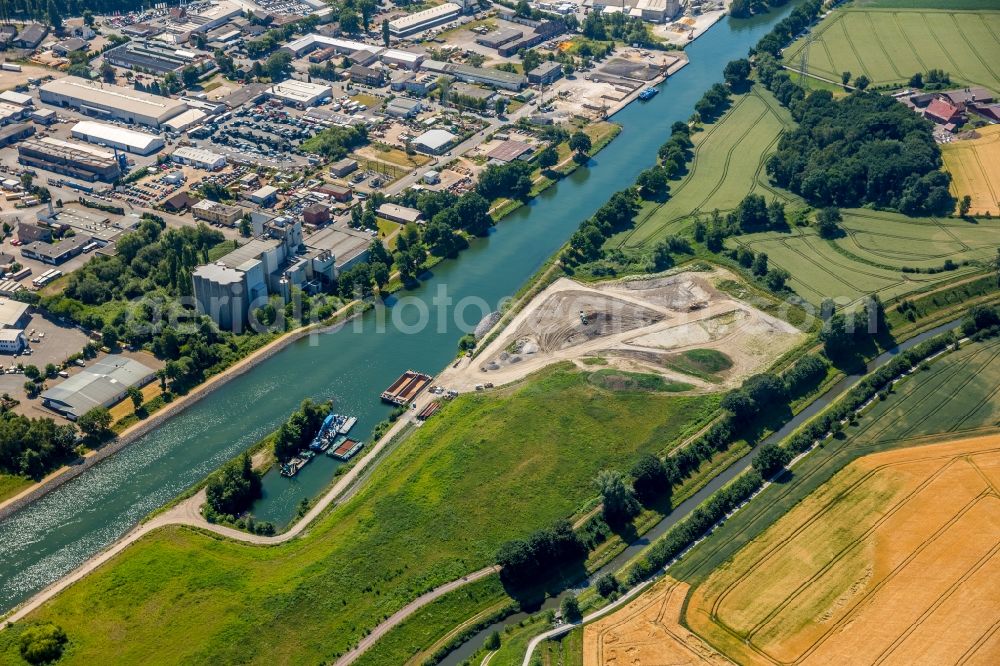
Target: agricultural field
(728, 165)
(890, 45)
(896, 558)
(974, 166)
(804, 594)
(648, 630)
(878, 253)
(486, 469)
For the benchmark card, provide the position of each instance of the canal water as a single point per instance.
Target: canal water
(351, 365)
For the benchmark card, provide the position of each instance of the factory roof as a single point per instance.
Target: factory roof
(299, 91)
(11, 312)
(417, 18)
(81, 152)
(140, 141)
(219, 274)
(248, 252)
(435, 139)
(196, 154)
(402, 56)
(97, 386)
(392, 211)
(343, 244)
(112, 96)
(13, 97)
(508, 151)
(181, 122)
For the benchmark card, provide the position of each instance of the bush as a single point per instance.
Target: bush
(42, 643)
(607, 585)
(570, 609)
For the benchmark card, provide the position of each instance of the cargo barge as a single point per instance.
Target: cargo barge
(428, 411)
(346, 450)
(406, 388)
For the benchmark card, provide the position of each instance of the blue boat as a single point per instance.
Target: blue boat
(648, 93)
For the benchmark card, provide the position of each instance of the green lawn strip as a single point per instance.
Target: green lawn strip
(620, 380)
(11, 485)
(955, 395)
(485, 470)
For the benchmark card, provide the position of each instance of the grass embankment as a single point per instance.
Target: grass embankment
(889, 45)
(487, 469)
(11, 485)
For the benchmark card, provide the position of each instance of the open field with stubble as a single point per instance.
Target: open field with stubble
(895, 559)
(877, 253)
(889, 45)
(486, 469)
(728, 165)
(974, 166)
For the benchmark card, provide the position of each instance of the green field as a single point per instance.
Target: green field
(728, 165)
(889, 45)
(956, 396)
(871, 255)
(487, 469)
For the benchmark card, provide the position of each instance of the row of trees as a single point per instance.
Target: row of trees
(527, 561)
(33, 446)
(617, 214)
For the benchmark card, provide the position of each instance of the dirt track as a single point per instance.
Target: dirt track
(632, 324)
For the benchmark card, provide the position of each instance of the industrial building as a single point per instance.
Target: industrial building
(399, 58)
(265, 196)
(14, 133)
(402, 107)
(230, 288)
(154, 57)
(217, 213)
(69, 159)
(273, 263)
(343, 167)
(495, 40)
(656, 11)
(12, 341)
(491, 77)
(434, 141)
(121, 138)
(58, 252)
(186, 120)
(104, 100)
(16, 98)
(397, 213)
(300, 93)
(411, 24)
(197, 157)
(546, 73)
(13, 314)
(101, 385)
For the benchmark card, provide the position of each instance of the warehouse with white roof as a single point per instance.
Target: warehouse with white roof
(121, 138)
(299, 93)
(411, 24)
(104, 100)
(198, 157)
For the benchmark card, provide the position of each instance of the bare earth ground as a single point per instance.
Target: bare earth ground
(634, 324)
(896, 560)
(647, 631)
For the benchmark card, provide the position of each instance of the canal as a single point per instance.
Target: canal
(350, 365)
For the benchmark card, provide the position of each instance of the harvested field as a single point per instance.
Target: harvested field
(889, 45)
(673, 327)
(974, 166)
(647, 631)
(896, 559)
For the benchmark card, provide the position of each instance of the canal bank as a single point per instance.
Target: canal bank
(352, 365)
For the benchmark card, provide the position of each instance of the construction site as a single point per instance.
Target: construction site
(643, 325)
